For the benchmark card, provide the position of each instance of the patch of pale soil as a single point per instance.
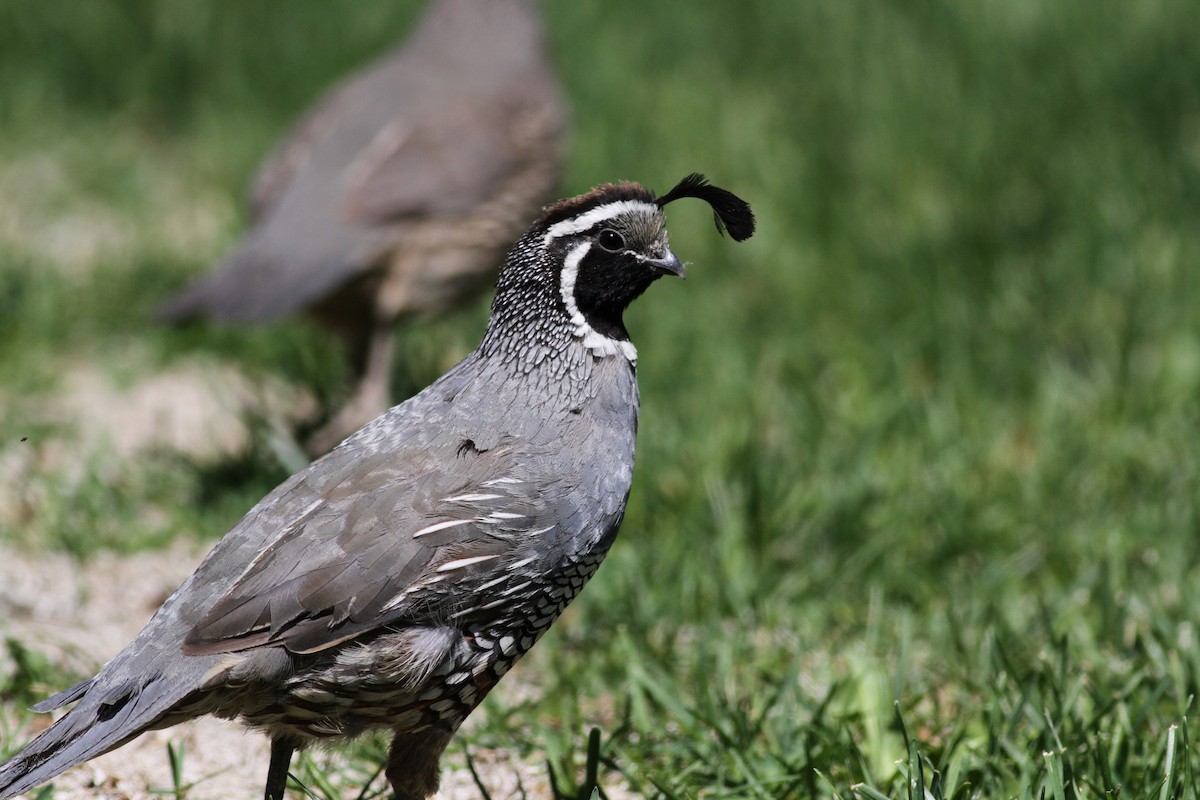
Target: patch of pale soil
(33, 229)
(80, 614)
(49, 218)
(200, 407)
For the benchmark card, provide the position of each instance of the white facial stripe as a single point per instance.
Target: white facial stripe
(593, 340)
(590, 219)
(570, 273)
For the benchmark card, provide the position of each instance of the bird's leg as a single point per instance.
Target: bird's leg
(372, 395)
(277, 772)
(412, 767)
(371, 356)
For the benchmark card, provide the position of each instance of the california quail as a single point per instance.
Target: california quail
(398, 193)
(392, 583)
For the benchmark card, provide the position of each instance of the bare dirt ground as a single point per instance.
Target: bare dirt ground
(78, 615)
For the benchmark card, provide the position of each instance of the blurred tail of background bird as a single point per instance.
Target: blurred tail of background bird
(397, 193)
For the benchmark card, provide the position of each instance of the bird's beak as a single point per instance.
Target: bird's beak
(667, 263)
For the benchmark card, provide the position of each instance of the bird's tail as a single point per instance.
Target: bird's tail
(106, 717)
(260, 281)
(244, 288)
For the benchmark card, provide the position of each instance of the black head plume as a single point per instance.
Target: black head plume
(730, 212)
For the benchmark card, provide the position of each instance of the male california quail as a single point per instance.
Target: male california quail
(392, 583)
(399, 192)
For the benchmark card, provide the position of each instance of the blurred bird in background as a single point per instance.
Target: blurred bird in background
(398, 192)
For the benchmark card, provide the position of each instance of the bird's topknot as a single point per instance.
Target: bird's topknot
(730, 212)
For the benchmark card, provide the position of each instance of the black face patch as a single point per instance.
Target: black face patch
(614, 270)
(606, 285)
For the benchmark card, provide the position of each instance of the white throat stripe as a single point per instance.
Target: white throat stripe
(590, 219)
(593, 340)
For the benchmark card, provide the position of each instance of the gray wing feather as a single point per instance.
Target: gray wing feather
(356, 564)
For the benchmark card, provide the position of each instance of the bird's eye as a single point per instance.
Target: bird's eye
(610, 240)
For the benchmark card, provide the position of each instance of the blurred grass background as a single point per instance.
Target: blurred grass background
(917, 497)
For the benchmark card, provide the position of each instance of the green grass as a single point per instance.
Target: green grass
(918, 491)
